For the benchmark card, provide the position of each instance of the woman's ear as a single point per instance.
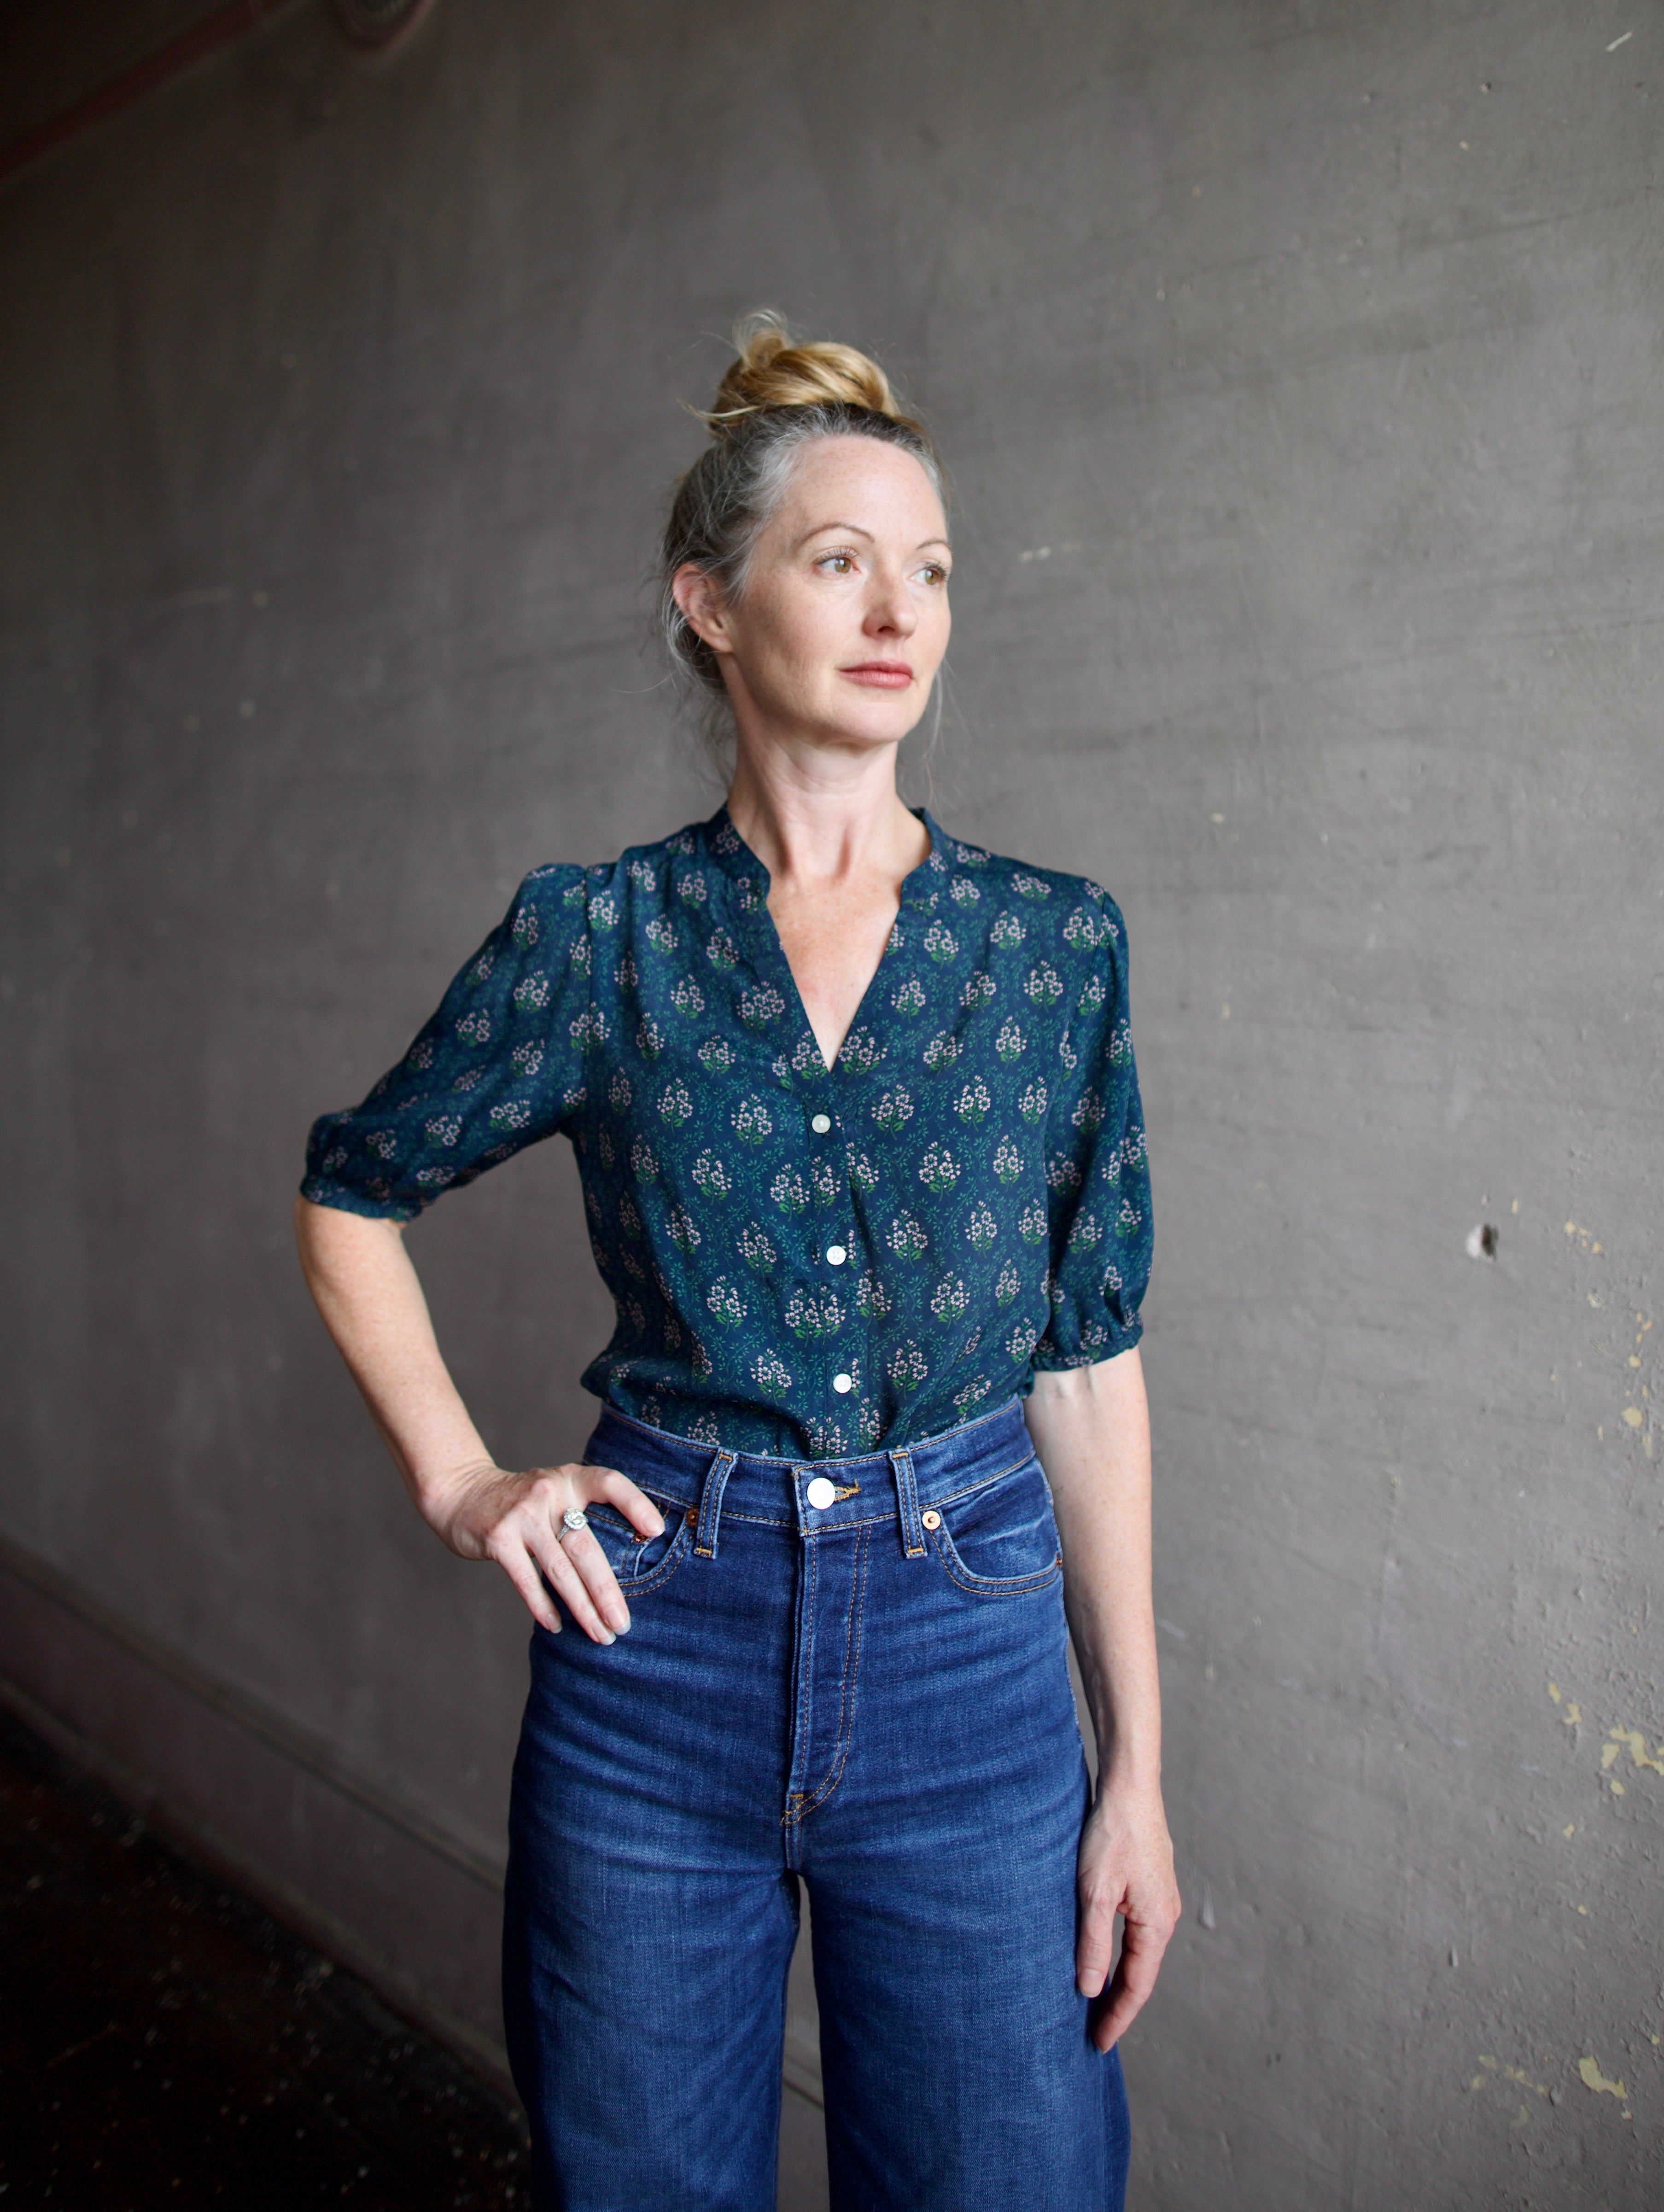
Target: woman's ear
(699, 595)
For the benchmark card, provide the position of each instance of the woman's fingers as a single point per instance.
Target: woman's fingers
(1134, 1978)
(637, 1507)
(576, 1568)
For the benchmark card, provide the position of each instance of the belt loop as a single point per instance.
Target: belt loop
(711, 1504)
(913, 1528)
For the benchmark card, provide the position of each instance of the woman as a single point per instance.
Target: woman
(856, 1112)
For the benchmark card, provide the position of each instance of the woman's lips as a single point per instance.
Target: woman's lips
(882, 675)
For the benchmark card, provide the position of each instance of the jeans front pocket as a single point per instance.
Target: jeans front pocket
(1000, 1539)
(642, 1564)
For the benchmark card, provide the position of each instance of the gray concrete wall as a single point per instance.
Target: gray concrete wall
(1299, 366)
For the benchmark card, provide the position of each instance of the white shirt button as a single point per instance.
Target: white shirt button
(820, 1493)
(836, 1255)
(843, 1383)
(820, 1124)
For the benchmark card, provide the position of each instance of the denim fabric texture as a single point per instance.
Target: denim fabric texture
(805, 1260)
(869, 1697)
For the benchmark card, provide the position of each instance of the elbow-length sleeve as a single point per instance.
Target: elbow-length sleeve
(1097, 1167)
(499, 1066)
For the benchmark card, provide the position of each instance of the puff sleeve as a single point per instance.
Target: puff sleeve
(498, 1067)
(1097, 1167)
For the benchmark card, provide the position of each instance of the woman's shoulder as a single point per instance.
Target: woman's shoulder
(1074, 910)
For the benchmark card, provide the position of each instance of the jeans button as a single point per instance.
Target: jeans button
(932, 1519)
(820, 1493)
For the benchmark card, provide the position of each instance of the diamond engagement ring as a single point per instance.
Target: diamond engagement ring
(573, 1518)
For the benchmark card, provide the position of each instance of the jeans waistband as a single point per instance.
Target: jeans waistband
(713, 1487)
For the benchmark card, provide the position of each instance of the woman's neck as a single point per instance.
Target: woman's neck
(820, 819)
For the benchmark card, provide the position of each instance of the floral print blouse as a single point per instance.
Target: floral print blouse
(807, 1262)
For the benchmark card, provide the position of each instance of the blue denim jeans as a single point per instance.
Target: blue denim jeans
(869, 1695)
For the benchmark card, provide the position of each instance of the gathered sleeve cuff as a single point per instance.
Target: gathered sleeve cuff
(499, 1066)
(1097, 1165)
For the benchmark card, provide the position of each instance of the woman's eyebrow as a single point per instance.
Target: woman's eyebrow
(855, 530)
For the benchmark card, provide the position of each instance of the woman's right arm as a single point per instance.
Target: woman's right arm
(366, 1288)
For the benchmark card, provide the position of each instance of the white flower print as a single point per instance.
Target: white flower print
(675, 1104)
(939, 1169)
(716, 1052)
(752, 1122)
(770, 1372)
(756, 1247)
(906, 1237)
(789, 1191)
(894, 1111)
(532, 991)
(711, 1177)
(982, 1229)
(908, 1366)
(813, 1312)
(973, 1101)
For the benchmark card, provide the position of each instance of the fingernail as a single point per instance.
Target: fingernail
(607, 1635)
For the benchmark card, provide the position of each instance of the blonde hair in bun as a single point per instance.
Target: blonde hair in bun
(776, 396)
(773, 371)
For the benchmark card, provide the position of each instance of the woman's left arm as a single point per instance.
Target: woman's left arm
(1091, 1429)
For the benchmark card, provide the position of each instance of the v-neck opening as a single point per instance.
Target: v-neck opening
(722, 821)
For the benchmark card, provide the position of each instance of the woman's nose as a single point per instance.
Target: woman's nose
(890, 608)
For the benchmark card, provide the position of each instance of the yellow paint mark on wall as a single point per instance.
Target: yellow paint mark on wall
(1617, 1787)
(1554, 1692)
(1609, 1755)
(1573, 1716)
(1633, 1416)
(1569, 1830)
(1637, 1746)
(1592, 2078)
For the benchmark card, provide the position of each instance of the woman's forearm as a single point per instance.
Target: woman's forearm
(1091, 1429)
(367, 1290)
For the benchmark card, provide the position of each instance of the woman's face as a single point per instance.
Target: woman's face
(844, 620)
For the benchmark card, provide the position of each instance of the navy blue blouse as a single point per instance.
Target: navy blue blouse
(807, 1261)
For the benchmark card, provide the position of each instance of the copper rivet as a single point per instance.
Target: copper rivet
(692, 1516)
(931, 1520)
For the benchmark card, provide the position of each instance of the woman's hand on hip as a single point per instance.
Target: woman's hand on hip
(518, 1520)
(1125, 1868)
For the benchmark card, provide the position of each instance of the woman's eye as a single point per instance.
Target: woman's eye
(934, 572)
(840, 564)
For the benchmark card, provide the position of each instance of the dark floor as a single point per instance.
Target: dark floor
(163, 2043)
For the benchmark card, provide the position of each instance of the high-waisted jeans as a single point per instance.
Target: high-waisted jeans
(870, 1695)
